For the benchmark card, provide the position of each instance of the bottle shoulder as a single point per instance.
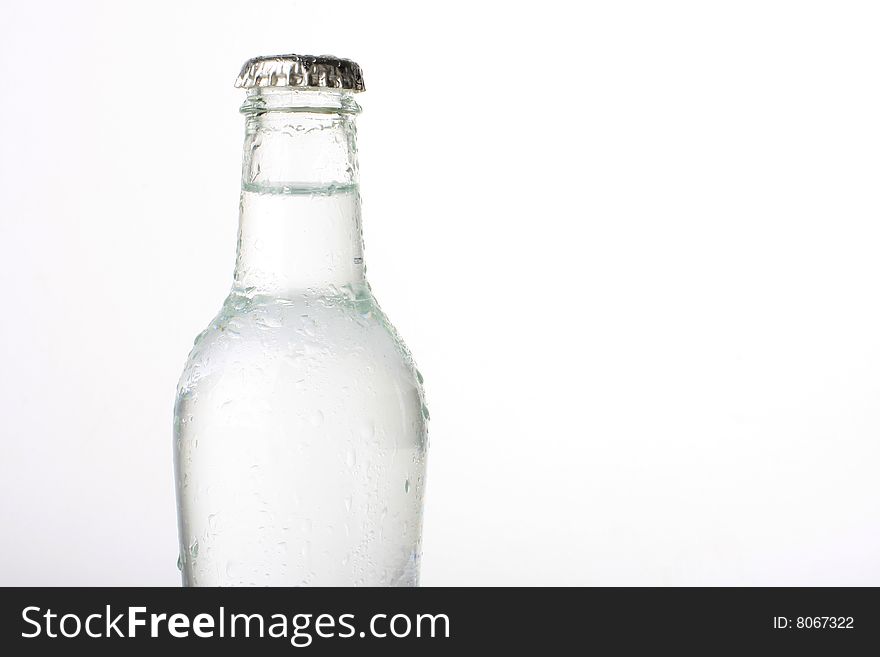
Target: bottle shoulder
(288, 335)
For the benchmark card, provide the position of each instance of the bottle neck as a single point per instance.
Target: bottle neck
(299, 222)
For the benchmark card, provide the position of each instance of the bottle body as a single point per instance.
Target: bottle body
(300, 447)
(300, 424)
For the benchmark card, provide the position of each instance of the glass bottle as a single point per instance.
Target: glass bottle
(300, 429)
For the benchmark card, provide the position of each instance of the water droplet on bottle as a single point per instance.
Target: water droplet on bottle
(348, 502)
(316, 419)
(231, 569)
(306, 526)
(367, 431)
(350, 458)
(406, 485)
(180, 562)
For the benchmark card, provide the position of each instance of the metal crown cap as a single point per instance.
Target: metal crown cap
(304, 71)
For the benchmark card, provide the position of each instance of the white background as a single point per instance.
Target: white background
(632, 245)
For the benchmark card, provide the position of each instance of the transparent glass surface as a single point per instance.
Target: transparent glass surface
(300, 429)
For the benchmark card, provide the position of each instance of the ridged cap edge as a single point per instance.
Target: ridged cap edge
(304, 71)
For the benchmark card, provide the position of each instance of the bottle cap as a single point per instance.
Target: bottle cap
(302, 71)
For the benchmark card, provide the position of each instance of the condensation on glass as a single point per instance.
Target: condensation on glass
(300, 428)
